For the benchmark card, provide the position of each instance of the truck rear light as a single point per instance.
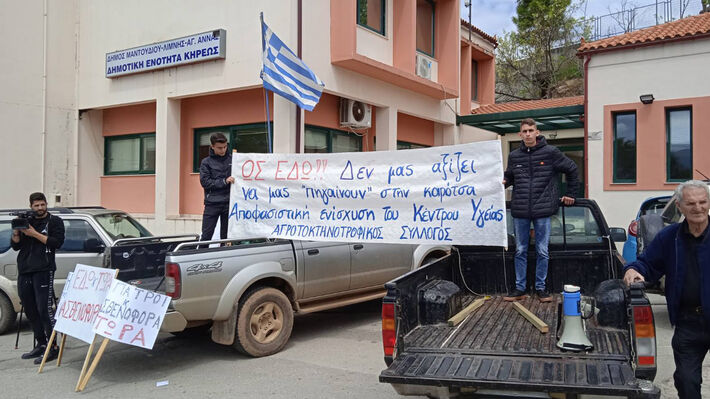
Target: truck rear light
(389, 337)
(645, 336)
(173, 285)
(633, 227)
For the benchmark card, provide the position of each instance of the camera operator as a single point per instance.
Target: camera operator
(37, 244)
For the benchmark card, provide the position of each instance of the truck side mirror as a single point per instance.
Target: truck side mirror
(94, 245)
(618, 234)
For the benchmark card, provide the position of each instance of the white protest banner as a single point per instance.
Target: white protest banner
(81, 300)
(450, 194)
(131, 315)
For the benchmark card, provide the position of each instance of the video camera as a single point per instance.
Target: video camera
(22, 221)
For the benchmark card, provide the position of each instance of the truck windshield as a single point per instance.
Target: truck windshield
(120, 225)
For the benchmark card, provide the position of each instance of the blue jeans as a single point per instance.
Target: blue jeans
(522, 240)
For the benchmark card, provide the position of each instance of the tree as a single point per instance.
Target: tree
(539, 59)
(706, 6)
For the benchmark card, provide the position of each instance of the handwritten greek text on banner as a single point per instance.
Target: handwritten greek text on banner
(81, 301)
(450, 194)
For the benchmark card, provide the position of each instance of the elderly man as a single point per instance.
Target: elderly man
(681, 252)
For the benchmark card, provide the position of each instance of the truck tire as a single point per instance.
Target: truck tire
(264, 322)
(7, 313)
(649, 226)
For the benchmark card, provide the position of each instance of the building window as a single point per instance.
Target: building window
(371, 15)
(405, 145)
(625, 147)
(243, 138)
(129, 154)
(425, 26)
(322, 140)
(474, 80)
(679, 147)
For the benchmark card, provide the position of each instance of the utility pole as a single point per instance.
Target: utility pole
(470, 25)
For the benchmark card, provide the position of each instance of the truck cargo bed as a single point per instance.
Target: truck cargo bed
(495, 347)
(497, 328)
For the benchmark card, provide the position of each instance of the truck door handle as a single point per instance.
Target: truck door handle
(357, 246)
(313, 252)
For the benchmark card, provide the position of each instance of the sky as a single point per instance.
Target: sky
(495, 16)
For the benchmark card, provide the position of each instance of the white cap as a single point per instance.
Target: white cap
(571, 288)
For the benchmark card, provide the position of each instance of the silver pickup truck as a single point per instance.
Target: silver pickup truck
(249, 291)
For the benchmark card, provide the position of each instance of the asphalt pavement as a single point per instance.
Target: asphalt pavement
(332, 354)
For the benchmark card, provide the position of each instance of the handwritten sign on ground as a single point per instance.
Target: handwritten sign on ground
(131, 315)
(81, 301)
(450, 194)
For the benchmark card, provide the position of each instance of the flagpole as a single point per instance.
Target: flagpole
(266, 92)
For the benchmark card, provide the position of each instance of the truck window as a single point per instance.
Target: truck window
(580, 226)
(120, 225)
(5, 236)
(76, 232)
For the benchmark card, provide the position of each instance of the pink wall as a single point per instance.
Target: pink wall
(233, 108)
(651, 142)
(415, 130)
(343, 45)
(134, 193)
(465, 91)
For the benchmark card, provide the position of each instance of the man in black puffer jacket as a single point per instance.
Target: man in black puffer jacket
(532, 171)
(215, 178)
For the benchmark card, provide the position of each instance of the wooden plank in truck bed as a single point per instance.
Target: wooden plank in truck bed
(496, 328)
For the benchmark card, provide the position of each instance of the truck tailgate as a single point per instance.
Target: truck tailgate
(496, 348)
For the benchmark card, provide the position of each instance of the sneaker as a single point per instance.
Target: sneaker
(516, 295)
(544, 296)
(53, 352)
(37, 351)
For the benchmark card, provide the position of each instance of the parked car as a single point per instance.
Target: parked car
(653, 205)
(91, 233)
(650, 224)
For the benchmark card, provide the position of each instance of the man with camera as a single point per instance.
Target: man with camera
(37, 236)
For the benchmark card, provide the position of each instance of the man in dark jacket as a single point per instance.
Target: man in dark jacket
(532, 171)
(215, 178)
(681, 252)
(35, 264)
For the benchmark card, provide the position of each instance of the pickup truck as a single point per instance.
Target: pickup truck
(496, 352)
(249, 290)
(94, 236)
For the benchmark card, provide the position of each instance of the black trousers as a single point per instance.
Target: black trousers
(37, 295)
(212, 213)
(690, 343)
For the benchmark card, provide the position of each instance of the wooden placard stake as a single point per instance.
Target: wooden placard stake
(539, 324)
(94, 363)
(61, 350)
(46, 351)
(86, 364)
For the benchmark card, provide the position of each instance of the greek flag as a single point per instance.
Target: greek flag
(285, 74)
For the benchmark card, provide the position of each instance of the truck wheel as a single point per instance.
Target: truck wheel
(264, 323)
(7, 313)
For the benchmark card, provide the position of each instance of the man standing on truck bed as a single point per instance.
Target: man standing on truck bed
(532, 171)
(215, 178)
(681, 252)
(37, 242)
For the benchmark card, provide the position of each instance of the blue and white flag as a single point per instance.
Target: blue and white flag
(285, 74)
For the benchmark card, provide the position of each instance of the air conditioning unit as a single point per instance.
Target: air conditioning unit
(355, 114)
(423, 67)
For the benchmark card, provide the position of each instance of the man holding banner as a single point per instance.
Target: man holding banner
(532, 171)
(215, 178)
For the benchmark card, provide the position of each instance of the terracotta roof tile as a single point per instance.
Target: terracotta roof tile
(484, 35)
(529, 105)
(697, 25)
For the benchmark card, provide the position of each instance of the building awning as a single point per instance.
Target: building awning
(553, 118)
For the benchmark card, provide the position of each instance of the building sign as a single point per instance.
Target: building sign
(185, 50)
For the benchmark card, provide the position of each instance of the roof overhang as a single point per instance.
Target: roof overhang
(558, 118)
